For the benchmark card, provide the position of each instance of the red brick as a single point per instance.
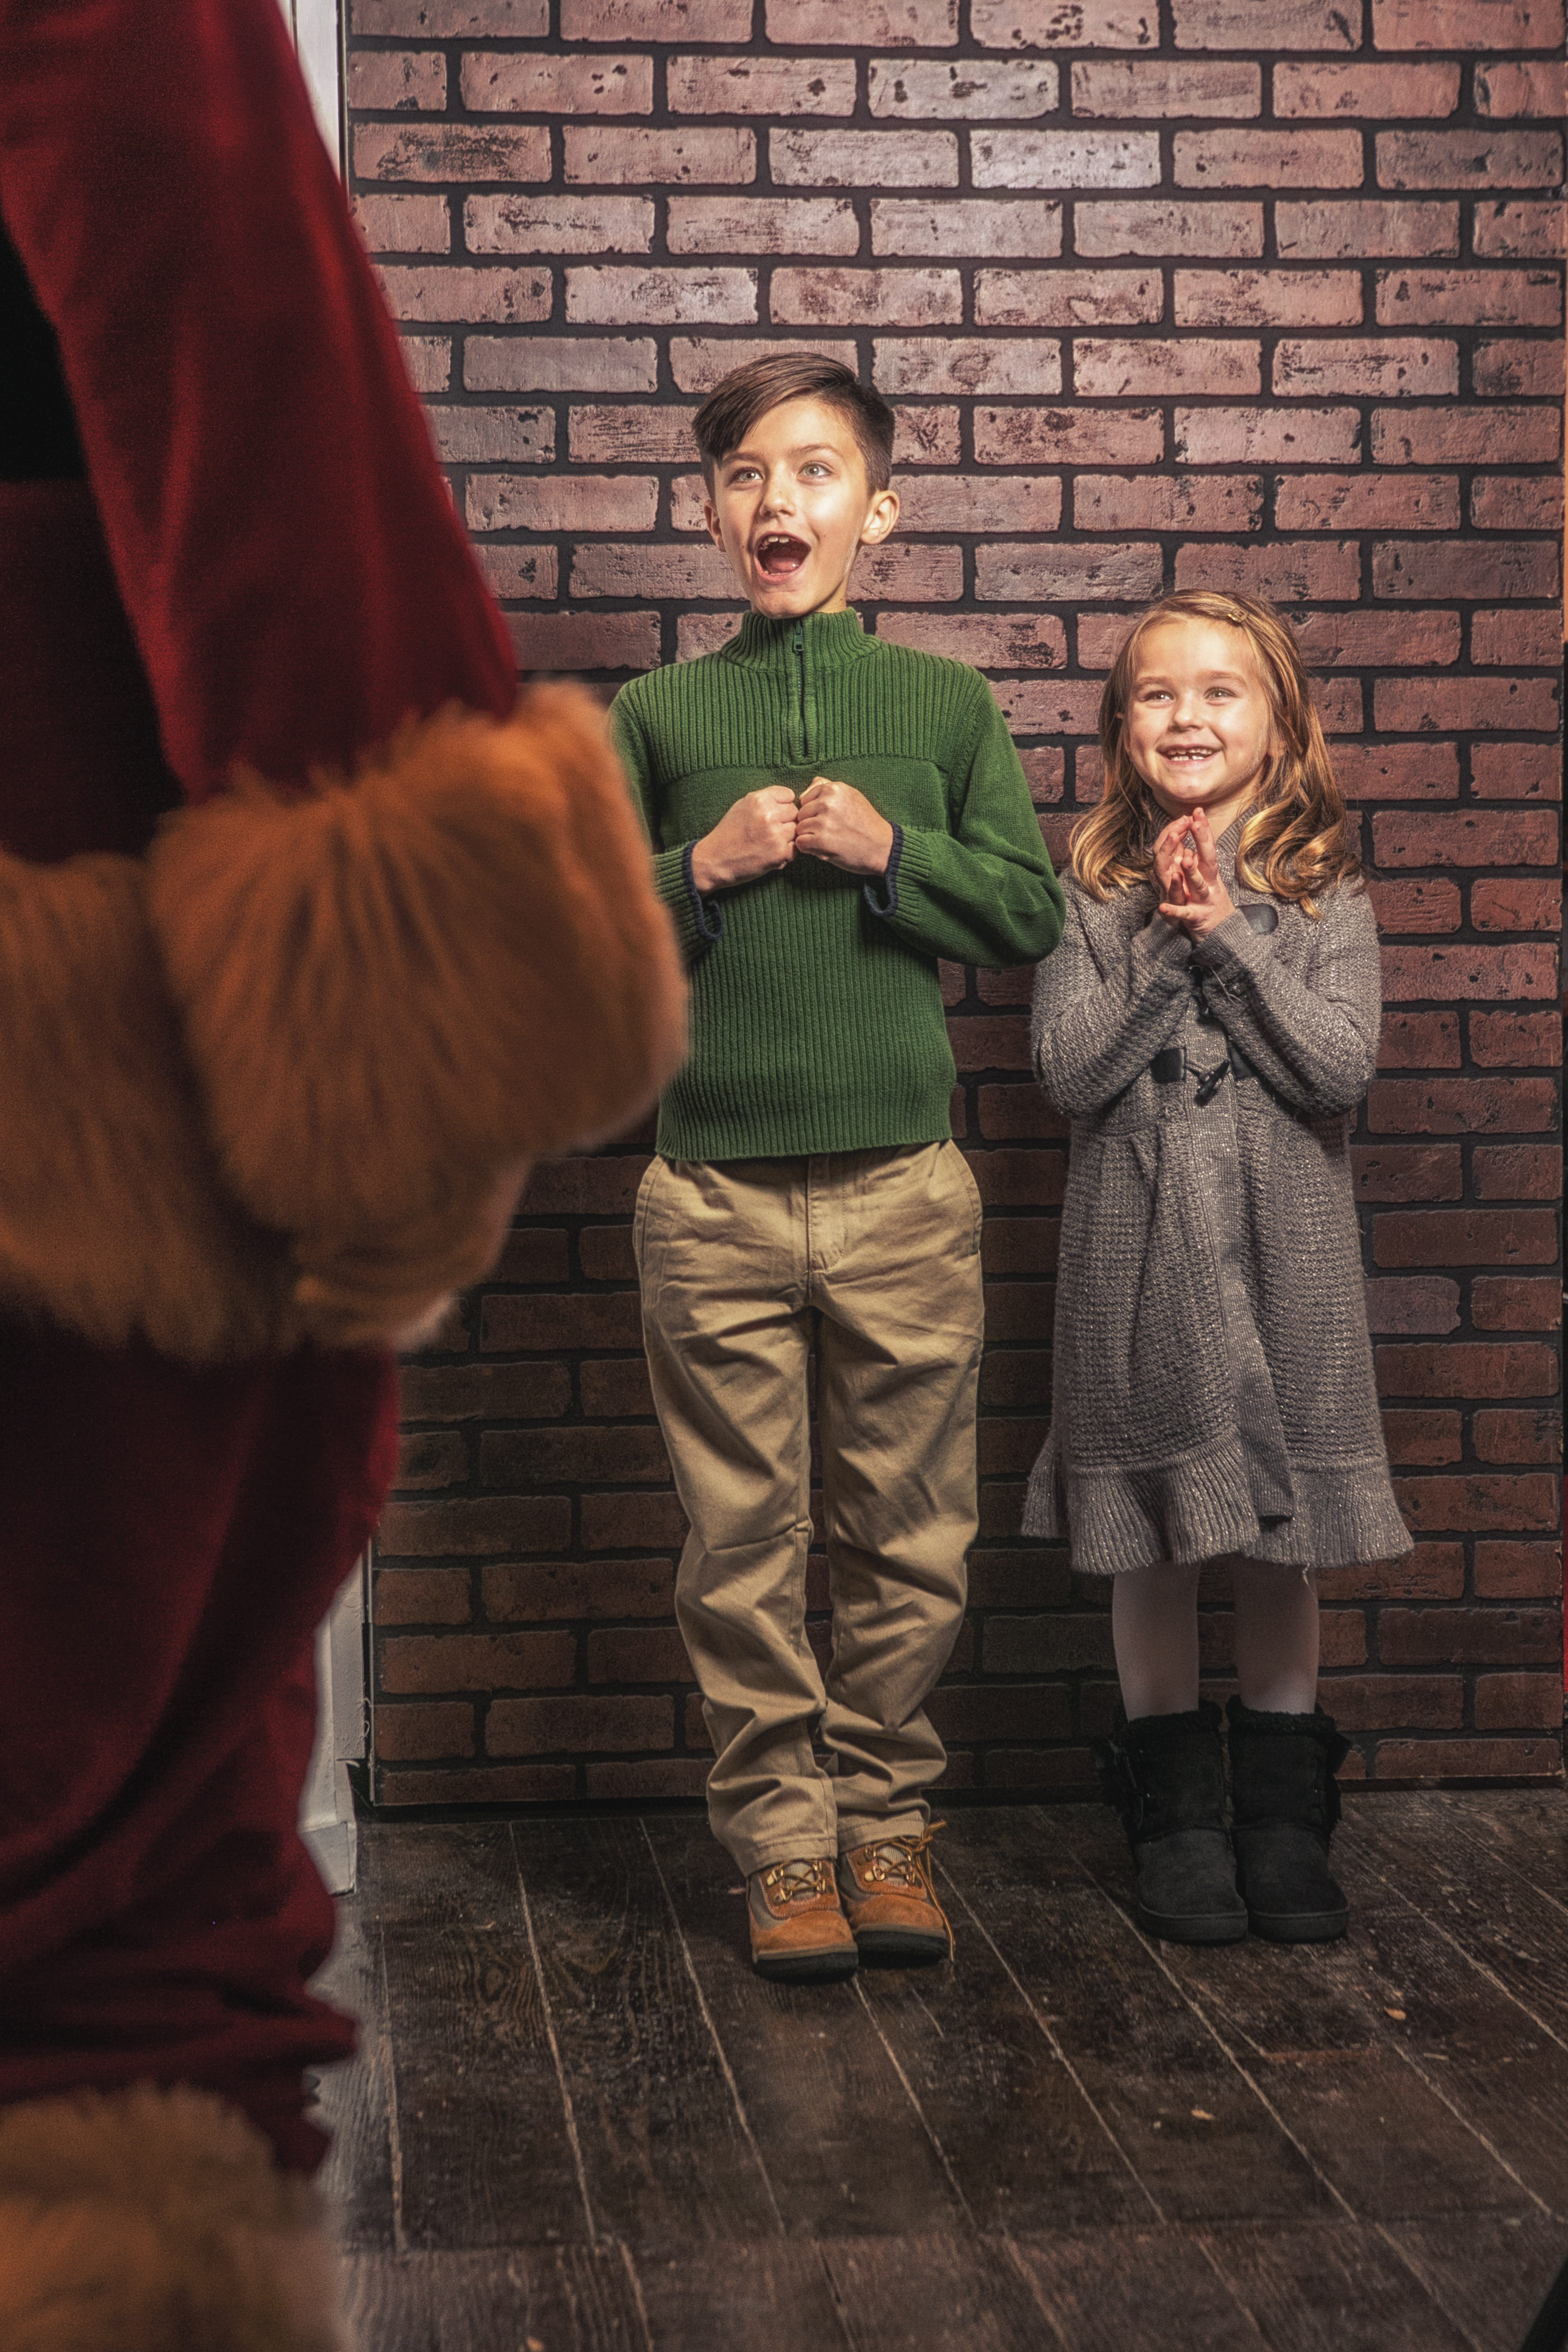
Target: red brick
(559, 364)
(1068, 298)
(1516, 503)
(627, 1522)
(459, 1528)
(853, 24)
(486, 1784)
(759, 85)
(1166, 227)
(559, 1322)
(1362, 639)
(1521, 232)
(981, 1043)
(1123, 502)
(1502, 1302)
(1450, 1237)
(1032, 1711)
(1033, 1644)
(1370, 227)
(454, 153)
(418, 1664)
(1088, 23)
(574, 1187)
(1366, 368)
(1521, 88)
(865, 159)
(1069, 436)
(1266, 25)
(1368, 502)
(1464, 436)
(1506, 637)
(608, 1587)
(1491, 1637)
(498, 297)
(394, 224)
(1016, 1114)
(1433, 1571)
(1065, 159)
(759, 224)
(1482, 298)
(622, 434)
(1050, 707)
(427, 360)
(511, 82)
(1469, 159)
(1468, 1760)
(419, 1730)
(1164, 89)
(714, 155)
(1515, 771)
(1518, 1571)
(990, 641)
(1517, 1040)
(982, 502)
(1465, 972)
(1466, 1368)
(1021, 1244)
(1516, 906)
(1263, 298)
(655, 20)
(1427, 1304)
(440, 20)
(575, 224)
(1119, 370)
(484, 1392)
(1285, 571)
(1266, 435)
(421, 1596)
(1415, 704)
(1425, 1438)
(1126, 571)
(512, 572)
(696, 363)
(650, 1776)
(1520, 1172)
(429, 1458)
(540, 1727)
(1515, 1436)
(1391, 1172)
(1339, 704)
(868, 298)
(1420, 1041)
(1519, 1702)
(1461, 1105)
(639, 1656)
(932, 89)
(926, 436)
(480, 437)
(1394, 1702)
(1018, 1180)
(537, 1458)
(1467, 24)
(1044, 771)
(605, 1251)
(932, 229)
(930, 363)
(1365, 93)
(667, 572)
(563, 502)
(1267, 159)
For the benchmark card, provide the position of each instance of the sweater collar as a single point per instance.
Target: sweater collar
(829, 640)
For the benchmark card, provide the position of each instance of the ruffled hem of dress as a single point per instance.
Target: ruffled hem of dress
(1201, 1507)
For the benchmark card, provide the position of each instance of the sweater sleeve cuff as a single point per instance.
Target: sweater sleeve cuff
(699, 921)
(1231, 949)
(1165, 955)
(881, 891)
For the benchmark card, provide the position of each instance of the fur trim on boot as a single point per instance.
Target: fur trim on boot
(1165, 1776)
(156, 2220)
(1287, 1803)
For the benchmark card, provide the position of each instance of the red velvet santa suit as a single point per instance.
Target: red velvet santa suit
(260, 568)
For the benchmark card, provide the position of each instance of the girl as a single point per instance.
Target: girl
(1208, 1022)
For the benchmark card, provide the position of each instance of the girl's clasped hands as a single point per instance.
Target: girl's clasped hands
(1193, 894)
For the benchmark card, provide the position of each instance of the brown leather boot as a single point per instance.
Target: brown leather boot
(890, 1903)
(799, 1933)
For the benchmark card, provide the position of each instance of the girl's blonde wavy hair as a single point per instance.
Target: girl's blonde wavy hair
(1294, 840)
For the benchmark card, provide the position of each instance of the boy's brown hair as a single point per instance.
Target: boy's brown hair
(748, 393)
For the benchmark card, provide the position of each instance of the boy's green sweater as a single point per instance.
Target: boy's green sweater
(816, 1014)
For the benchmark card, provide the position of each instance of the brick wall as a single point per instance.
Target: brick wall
(1251, 293)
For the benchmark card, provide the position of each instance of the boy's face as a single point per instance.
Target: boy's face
(791, 509)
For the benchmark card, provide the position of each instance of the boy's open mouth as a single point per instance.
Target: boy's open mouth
(779, 556)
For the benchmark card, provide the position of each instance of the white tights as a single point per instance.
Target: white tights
(1155, 1625)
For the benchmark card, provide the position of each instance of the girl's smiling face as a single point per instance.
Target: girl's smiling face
(1198, 728)
(791, 509)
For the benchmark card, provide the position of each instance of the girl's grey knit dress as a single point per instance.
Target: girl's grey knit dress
(1212, 1386)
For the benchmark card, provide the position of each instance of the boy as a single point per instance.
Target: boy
(830, 815)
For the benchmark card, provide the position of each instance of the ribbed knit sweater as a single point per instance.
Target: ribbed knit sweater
(816, 1014)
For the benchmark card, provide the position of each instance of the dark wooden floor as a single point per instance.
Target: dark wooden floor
(579, 2123)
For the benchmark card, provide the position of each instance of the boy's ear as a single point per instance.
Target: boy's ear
(710, 517)
(881, 516)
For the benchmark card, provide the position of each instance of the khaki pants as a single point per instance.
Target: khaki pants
(873, 1259)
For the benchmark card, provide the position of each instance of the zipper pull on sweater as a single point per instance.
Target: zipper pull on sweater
(799, 743)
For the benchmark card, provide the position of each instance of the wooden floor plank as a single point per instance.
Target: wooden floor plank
(1331, 2287)
(666, 2148)
(542, 2299)
(1199, 2138)
(1488, 2274)
(774, 2295)
(1116, 2289)
(844, 2147)
(355, 2099)
(912, 2295)
(485, 2156)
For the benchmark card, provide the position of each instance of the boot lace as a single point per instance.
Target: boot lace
(906, 1863)
(799, 1880)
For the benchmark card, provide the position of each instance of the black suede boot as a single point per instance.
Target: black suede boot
(1287, 1803)
(1165, 1776)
